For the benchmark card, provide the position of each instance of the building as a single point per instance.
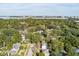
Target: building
(15, 48)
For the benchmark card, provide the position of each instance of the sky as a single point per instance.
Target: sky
(39, 9)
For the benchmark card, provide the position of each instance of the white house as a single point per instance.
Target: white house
(44, 49)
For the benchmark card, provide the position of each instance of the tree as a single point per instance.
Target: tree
(40, 54)
(8, 37)
(34, 38)
(69, 49)
(55, 47)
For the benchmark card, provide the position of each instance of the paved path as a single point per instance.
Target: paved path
(30, 51)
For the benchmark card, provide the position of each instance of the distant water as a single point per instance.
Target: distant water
(4, 17)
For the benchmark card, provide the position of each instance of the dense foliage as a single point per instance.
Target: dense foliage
(61, 36)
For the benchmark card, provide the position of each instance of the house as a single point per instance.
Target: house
(15, 48)
(44, 49)
(77, 50)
